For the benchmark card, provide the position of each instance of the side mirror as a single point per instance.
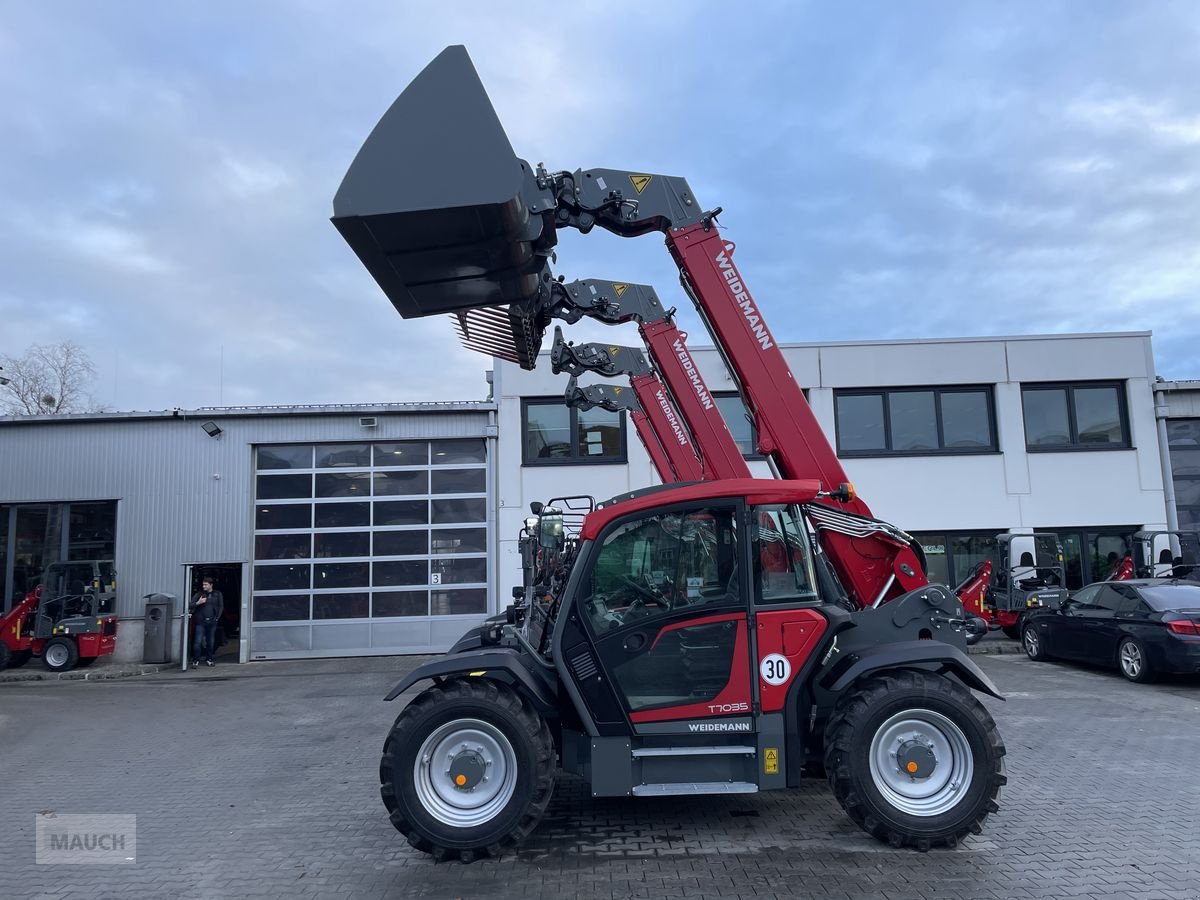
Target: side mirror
(536, 507)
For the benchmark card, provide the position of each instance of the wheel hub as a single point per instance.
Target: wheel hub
(916, 759)
(465, 772)
(467, 769)
(921, 762)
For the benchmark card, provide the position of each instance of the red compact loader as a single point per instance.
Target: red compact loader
(718, 634)
(68, 620)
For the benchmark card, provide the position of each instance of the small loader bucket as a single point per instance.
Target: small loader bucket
(436, 203)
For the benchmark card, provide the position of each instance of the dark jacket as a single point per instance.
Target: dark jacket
(211, 610)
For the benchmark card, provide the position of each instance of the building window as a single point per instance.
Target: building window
(740, 425)
(915, 421)
(951, 557)
(1086, 416)
(554, 434)
(33, 536)
(1183, 439)
(1090, 555)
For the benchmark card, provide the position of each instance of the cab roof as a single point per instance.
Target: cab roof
(752, 490)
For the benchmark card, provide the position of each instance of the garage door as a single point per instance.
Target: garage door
(368, 548)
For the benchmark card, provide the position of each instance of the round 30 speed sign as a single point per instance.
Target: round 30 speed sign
(775, 668)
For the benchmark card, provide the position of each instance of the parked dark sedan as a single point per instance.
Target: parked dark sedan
(1142, 627)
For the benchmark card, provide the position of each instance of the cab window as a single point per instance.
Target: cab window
(782, 561)
(664, 563)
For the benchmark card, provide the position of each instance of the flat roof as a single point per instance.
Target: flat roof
(1177, 385)
(232, 412)
(993, 339)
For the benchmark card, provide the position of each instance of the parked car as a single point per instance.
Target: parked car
(1143, 627)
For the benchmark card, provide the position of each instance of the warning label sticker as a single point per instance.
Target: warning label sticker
(641, 182)
(771, 761)
(620, 289)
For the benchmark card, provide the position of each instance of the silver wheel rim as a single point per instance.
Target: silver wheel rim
(435, 788)
(1031, 642)
(57, 656)
(950, 779)
(1131, 659)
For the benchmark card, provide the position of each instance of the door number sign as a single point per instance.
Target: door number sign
(775, 668)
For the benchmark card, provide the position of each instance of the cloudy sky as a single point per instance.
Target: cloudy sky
(888, 170)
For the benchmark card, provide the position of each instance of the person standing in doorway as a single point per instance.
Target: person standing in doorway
(206, 607)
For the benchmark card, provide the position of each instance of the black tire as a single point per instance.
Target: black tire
(19, 659)
(85, 661)
(6, 656)
(528, 737)
(1133, 662)
(866, 711)
(1012, 631)
(1033, 643)
(57, 661)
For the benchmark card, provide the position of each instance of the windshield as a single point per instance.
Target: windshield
(1163, 597)
(1049, 554)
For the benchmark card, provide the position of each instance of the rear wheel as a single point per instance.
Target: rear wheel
(19, 659)
(6, 655)
(85, 661)
(1011, 631)
(914, 759)
(1131, 657)
(467, 768)
(60, 654)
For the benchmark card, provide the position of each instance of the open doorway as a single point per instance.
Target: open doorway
(227, 578)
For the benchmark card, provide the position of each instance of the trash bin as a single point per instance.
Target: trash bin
(156, 646)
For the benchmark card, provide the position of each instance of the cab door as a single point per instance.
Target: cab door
(666, 605)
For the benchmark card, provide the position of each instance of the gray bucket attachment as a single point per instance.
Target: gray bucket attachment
(437, 205)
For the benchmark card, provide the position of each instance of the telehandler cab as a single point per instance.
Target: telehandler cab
(717, 634)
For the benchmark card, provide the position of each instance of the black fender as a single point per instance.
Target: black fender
(933, 655)
(485, 635)
(504, 664)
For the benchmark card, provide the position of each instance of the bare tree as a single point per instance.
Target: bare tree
(50, 379)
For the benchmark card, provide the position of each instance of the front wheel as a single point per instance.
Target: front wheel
(467, 768)
(60, 654)
(914, 759)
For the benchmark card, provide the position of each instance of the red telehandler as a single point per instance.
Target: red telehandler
(717, 634)
(1024, 572)
(1160, 554)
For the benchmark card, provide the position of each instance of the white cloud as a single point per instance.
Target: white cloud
(246, 178)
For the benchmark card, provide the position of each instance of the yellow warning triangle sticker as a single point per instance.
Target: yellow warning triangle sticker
(617, 390)
(772, 754)
(620, 289)
(613, 350)
(641, 182)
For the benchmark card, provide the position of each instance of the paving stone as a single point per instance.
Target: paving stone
(262, 782)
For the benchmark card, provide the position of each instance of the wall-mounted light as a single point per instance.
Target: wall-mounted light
(212, 429)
